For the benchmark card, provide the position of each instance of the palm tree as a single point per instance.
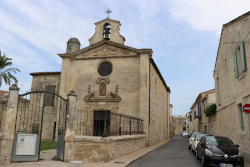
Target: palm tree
(5, 73)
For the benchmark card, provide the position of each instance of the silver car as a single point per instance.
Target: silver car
(184, 134)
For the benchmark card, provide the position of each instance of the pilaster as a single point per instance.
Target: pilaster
(144, 93)
(70, 126)
(9, 125)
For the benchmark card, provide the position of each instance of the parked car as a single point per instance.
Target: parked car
(191, 137)
(184, 134)
(196, 140)
(219, 151)
(175, 133)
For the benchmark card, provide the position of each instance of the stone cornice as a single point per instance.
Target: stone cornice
(145, 51)
(105, 57)
(111, 97)
(66, 55)
(103, 42)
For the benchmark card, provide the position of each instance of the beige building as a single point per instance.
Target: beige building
(209, 124)
(179, 122)
(109, 78)
(232, 82)
(171, 122)
(197, 118)
(187, 116)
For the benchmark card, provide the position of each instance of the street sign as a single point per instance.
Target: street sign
(246, 108)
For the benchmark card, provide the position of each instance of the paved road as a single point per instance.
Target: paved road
(174, 153)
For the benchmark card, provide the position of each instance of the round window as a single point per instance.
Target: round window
(105, 68)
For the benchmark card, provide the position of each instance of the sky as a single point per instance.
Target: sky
(183, 34)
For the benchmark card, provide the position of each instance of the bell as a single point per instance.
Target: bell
(106, 36)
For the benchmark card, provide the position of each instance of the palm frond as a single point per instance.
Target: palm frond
(5, 74)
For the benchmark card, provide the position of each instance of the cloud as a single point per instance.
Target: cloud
(208, 15)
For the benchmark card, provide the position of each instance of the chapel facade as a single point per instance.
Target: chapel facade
(109, 77)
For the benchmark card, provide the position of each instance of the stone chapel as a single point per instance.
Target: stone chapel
(108, 76)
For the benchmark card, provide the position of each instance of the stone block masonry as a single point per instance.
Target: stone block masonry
(96, 149)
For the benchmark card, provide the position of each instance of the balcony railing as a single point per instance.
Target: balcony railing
(197, 115)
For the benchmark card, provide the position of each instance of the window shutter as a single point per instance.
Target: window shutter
(235, 64)
(242, 53)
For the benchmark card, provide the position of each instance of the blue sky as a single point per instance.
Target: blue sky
(184, 36)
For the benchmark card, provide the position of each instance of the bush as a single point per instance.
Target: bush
(210, 110)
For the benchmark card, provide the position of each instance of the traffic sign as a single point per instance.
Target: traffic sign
(246, 108)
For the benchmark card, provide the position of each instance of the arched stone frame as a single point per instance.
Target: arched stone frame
(106, 31)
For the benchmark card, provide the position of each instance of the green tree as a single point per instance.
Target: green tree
(5, 73)
(210, 110)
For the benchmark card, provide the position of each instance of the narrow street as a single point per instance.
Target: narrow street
(174, 153)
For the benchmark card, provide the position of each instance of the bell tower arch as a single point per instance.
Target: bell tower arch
(107, 29)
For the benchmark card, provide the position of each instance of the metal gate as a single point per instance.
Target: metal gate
(37, 116)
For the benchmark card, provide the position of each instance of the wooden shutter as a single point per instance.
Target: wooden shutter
(242, 54)
(235, 64)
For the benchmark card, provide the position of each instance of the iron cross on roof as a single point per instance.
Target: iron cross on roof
(108, 11)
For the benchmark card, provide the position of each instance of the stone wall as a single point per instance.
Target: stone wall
(213, 124)
(159, 108)
(96, 149)
(228, 116)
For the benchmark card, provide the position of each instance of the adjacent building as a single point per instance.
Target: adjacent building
(232, 82)
(197, 120)
(179, 122)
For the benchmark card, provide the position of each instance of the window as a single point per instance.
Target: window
(239, 60)
(48, 97)
(241, 117)
(35, 128)
(203, 139)
(105, 68)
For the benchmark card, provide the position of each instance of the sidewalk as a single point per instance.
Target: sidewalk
(118, 162)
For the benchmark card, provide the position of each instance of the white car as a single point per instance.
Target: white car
(184, 134)
(191, 139)
(196, 140)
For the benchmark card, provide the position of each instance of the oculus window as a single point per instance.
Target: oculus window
(104, 69)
